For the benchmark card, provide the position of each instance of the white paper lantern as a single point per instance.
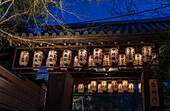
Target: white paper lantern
(146, 53)
(113, 54)
(131, 88)
(138, 61)
(106, 61)
(154, 60)
(24, 58)
(82, 56)
(91, 63)
(110, 88)
(130, 54)
(97, 55)
(114, 85)
(80, 88)
(125, 85)
(104, 85)
(139, 87)
(89, 89)
(67, 57)
(120, 88)
(62, 65)
(93, 85)
(76, 63)
(122, 61)
(37, 60)
(51, 60)
(100, 89)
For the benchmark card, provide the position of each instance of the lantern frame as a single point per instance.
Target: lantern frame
(24, 58)
(37, 59)
(113, 55)
(82, 56)
(97, 56)
(51, 59)
(128, 55)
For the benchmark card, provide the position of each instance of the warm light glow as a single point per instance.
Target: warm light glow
(93, 85)
(125, 85)
(76, 63)
(37, 60)
(138, 61)
(130, 54)
(80, 88)
(110, 88)
(51, 59)
(100, 90)
(155, 60)
(113, 53)
(139, 88)
(120, 88)
(122, 61)
(131, 88)
(67, 57)
(146, 53)
(82, 56)
(97, 55)
(24, 58)
(104, 85)
(114, 85)
(91, 63)
(89, 88)
(106, 61)
(62, 65)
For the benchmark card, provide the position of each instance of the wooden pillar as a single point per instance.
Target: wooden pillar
(147, 104)
(59, 93)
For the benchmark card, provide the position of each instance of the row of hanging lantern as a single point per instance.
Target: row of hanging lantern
(109, 87)
(96, 59)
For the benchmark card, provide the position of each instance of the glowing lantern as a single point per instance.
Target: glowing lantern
(131, 88)
(122, 61)
(51, 60)
(100, 89)
(113, 54)
(104, 85)
(80, 88)
(91, 63)
(125, 85)
(146, 53)
(82, 56)
(155, 60)
(62, 65)
(114, 85)
(37, 60)
(24, 58)
(97, 55)
(120, 88)
(130, 54)
(76, 63)
(110, 88)
(106, 61)
(89, 89)
(67, 56)
(93, 85)
(138, 61)
(139, 88)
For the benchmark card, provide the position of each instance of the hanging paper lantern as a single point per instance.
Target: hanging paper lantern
(104, 85)
(67, 56)
(24, 58)
(93, 85)
(130, 54)
(139, 87)
(89, 88)
(110, 88)
(120, 88)
(37, 60)
(138, 61)
(97, 56)
(154, 60)
(125, 85)
(131, 88)
(51, 60)
(146, 53)
(80, 88)
(106, 61)
(113, 54)
(76, 63)
(122, 61)
(62, 65)
(114, 85)
(91, 63)
(100, 89)
(82, 56)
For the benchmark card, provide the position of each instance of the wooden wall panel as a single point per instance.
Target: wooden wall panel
(17, 94)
